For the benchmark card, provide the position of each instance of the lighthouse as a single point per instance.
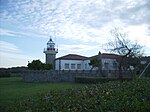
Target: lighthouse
(50, 52)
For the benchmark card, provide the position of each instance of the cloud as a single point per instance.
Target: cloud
(94, 13)
(8, 59)
(11, 55)
(139, 33)
(7, 32)
(8, 47)
(77, 48)
(83, 20)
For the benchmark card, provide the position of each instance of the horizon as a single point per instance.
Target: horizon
(60, 57)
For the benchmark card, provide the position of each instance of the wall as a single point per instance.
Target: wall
(65, 76)
(55, 76)
(110, 64)
(86, 65)
(60, 64)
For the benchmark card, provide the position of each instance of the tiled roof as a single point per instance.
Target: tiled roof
(145, 58)
(79, 57)
(103, 55)
(106, 55)
(72, 57)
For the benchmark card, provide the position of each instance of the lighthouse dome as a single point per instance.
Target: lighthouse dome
(50, 42)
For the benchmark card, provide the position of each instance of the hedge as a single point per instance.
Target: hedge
(4, 75)
(95, 80)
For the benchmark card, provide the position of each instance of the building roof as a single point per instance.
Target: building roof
(145, 58)
(72, 57)
(50, 42)
(79, 57)
(106, 56)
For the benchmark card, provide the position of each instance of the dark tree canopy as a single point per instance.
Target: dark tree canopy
(38, 65)
(95, 62)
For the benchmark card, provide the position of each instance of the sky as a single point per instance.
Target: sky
(77, 27)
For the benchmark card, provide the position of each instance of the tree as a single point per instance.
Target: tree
(38, 65)
(96, 62)
(129, 51)
(46, 66)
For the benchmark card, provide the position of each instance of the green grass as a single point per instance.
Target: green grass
(13, 89)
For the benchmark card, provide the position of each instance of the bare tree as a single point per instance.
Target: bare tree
(127, 49)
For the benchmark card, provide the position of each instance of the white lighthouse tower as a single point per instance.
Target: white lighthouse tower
(50, 52)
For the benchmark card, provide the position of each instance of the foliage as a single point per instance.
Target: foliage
(127, 96)
(147, 72)
(95, 62)
(38, 65)
(95, 80)
(4, 75)
(129, 52)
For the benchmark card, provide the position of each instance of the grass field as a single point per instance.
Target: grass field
(14, 89)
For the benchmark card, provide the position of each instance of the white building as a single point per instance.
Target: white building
(78, 62)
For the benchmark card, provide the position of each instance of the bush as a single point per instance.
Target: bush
(4, 72)
(127, 96)
(4, 75)
(95, 80)
(38, 65)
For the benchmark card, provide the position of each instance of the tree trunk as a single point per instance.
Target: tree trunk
(120, 72)
(120, 69)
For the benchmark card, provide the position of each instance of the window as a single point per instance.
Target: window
(72, 66)
(115, 65)
(78, 66)
(106, 65)
(85, 66)
(66, 66)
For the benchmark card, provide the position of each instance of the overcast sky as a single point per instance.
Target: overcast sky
(77, 26)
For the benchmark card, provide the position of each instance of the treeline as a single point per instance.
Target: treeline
(38, 65)
(7, 72)
(34, 65)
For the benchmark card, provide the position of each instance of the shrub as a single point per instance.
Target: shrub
(38, 65)
(95, 80)
(5, 75)
(4, 72)
(127, 96)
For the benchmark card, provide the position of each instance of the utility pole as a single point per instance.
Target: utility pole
(144, 70)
